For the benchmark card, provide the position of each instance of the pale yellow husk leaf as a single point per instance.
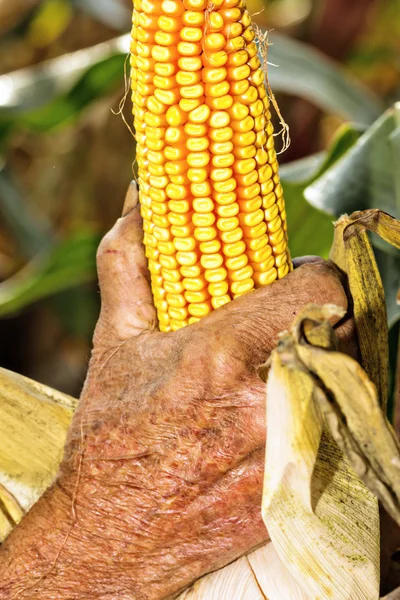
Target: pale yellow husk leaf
(321, 518)
(33, 425)
(261, 575)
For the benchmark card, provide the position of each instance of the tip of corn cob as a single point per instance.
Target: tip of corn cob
(212, 205)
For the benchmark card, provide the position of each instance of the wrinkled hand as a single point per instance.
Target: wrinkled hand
(161, 480)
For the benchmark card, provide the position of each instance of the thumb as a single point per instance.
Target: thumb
(127, 308)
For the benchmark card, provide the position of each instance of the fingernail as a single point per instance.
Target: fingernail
(131, 198)
(304, 260)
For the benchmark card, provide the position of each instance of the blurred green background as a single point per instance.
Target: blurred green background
(66, 157)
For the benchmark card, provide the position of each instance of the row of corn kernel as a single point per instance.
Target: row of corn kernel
(165, 282)
(195, 294)
(273, 203)
(236, 259)
(142, 78)
(175, 300)
(233, 258)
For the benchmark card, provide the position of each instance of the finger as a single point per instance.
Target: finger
(250, 325)
(127, 308)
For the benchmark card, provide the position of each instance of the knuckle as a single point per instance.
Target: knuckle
(224, 357)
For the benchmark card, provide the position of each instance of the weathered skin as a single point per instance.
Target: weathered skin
(161, 480)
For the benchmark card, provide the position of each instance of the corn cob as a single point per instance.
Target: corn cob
(213, 212)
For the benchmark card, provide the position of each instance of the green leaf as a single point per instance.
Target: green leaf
(69, 264)
(305, 72)
(27, 89)
(359, 171)
(366, 176)
(303, 169)
(55, 92)
(99, 80)
(78, 309)
(28, 226)
(310, 229)
(112, 13)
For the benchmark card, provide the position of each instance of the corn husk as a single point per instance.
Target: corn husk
(33, 426)
(352, 253)
(258, 576)
(322, 520)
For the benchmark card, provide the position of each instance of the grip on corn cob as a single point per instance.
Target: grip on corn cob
(213, 211)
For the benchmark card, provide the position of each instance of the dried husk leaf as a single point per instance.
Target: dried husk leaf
(33, 426)
(352, 252)
(10, 512)
(357, 423)
(273, 577)
(322, 520)
(379, 222)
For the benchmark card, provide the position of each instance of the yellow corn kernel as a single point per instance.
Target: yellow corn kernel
(215, 59)
(218, 301)
(250, 206)
(166, 23)
(205, 234)
(202, 309)
(214, 42)
(203, 219)
(170, 275)
(193, 18)
(242, 274)
(220, 102)
(185, 244)
(213, 75)
(234, 249)
(210, 246)
(190, 63)
(222, 161)
(225, 134)
(197, 297)
(197, 144)
(216, 275)
(228, 210)
(203, 205)
(280, 260)
(242, 287)
(175, 325)
(218, 289)
(262, 267)
(265, 278)
(212, 204)
(215, 21)
(211, 261)
(201, 190)
(230, 237)
(194, 284)
(195, 129)
(191, 270)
